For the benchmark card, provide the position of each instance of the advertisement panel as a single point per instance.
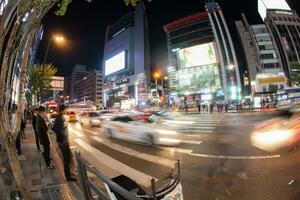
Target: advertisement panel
(207, 77)
(203, 54)
(115, 63)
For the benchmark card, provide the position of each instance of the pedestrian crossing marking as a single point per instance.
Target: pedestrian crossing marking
(138, 154)
(138, 176)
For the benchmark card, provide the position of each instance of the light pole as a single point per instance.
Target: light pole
(58, 39)
(162, 84)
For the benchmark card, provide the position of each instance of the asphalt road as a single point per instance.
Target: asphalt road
(217, 159)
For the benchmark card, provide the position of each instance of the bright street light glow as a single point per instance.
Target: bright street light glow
(59, 39)
(156, 75)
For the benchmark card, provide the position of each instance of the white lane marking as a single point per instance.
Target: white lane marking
(193, 135)
(199, 127)
(173, 150)
(138, 154)
(137, 176)
(78, 134)
(191, 141)
(235, 157)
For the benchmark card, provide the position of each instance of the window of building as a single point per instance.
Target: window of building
(267, 56)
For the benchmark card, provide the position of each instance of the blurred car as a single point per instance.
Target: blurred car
(71, 116)
(51, 118)
(277, 134)
(133, 129)
(90, 119)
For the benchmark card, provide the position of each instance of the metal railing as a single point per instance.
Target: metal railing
(89, 188)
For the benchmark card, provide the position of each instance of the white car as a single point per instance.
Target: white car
(90, 119)
(132, 129)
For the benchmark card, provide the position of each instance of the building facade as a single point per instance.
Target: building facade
(285, 26)
(78, 73)
(126, 65)
(57, 87)
(90, 88)
(202, 60)
(262, 57)
(67, 86)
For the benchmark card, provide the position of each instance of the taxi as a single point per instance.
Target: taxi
(70, 116)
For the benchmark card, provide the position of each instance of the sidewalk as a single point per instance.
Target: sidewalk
(43, 185)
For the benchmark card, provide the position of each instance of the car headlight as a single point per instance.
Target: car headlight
(273, 137)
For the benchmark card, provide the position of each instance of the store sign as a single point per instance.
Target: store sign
(122, 81)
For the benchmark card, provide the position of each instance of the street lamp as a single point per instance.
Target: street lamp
(58, 39)
(156, 76)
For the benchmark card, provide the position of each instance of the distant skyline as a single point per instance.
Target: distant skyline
(85, 24)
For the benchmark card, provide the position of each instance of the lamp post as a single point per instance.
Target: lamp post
(58, 39)
(162, 84)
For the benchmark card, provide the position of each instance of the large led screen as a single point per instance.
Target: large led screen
(115, 63)
(206, 77)
(199, 55)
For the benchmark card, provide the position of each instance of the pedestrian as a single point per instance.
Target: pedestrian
(42, 131)
(18, 139)
(34, 116)
(211, 107)
(226, 107)
(62, 138)
(186, 107)
(23, 126)
(2, 168)
(199, 107)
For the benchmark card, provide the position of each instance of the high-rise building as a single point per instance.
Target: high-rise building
(90, 88)
(78, 73)
(262, 57)
(126, 65)
(67, 86)
(285, 26)
(202, 60)
(265, 5)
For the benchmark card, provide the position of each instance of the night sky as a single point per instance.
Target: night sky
(84, 26)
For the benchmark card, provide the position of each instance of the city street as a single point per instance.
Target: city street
(217, 159)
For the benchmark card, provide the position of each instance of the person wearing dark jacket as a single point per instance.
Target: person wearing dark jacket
(42, 131)
(34, 116)
(62, 138)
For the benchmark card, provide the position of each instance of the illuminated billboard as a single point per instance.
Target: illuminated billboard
(206, 77)
(264, 5)
(115, 63)
(203, 54)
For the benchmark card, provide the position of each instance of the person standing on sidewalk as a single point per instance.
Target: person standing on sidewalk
(18, 139)
(42, 131)
(34, 116)
(23, 126)
(62, 138)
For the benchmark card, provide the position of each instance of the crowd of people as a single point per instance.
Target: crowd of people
(41, 127)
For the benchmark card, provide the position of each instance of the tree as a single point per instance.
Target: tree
(40, 77)
(132, 2)
(11, 22)
(295, 74)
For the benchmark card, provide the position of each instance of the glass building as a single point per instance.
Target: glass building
(202, 60)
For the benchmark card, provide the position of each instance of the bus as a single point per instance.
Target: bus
(288, 96)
